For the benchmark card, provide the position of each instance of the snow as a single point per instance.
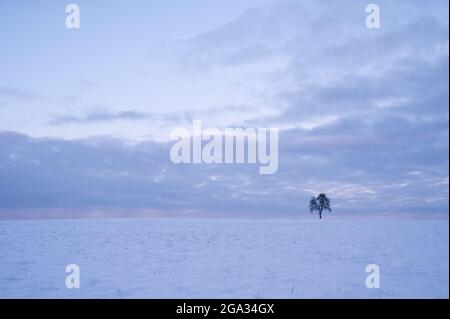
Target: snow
(218, 258)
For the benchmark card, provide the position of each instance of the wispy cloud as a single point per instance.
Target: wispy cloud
(17, 93)
(104, 117)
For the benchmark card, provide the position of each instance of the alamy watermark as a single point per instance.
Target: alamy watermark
(73, 18)
(373, 279)
(73, 277)
(230, 146)
(373, 19)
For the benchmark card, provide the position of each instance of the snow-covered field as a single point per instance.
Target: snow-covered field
(206, 258)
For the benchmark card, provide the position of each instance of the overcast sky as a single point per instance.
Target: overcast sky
(85, 114)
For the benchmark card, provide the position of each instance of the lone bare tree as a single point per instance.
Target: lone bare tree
(319, 204)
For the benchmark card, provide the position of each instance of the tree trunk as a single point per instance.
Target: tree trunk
(320, 214)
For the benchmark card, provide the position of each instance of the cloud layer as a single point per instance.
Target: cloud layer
(363, 116)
